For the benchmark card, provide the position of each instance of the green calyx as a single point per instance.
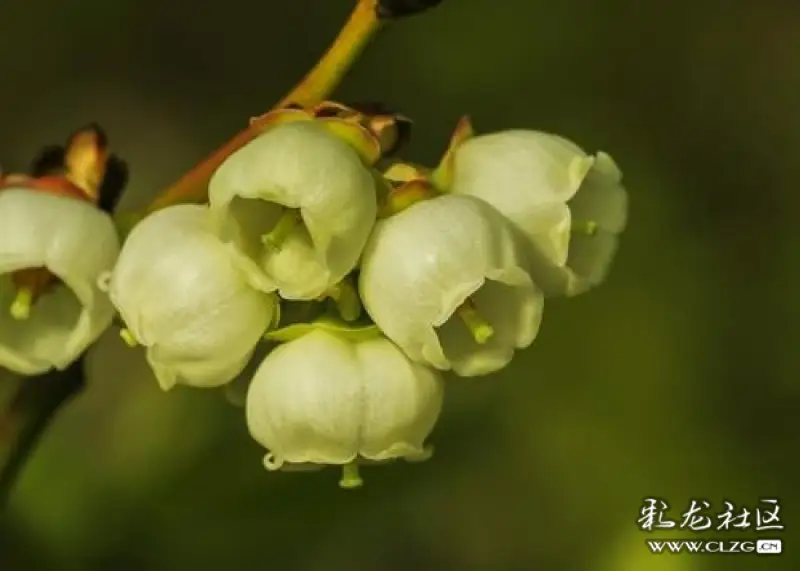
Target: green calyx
(334, 325)
(413, 183)
(372, 129)
(342, 126)
(442, 176)
(406, 195)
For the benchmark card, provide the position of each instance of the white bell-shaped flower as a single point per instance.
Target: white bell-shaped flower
(183, 297)
(326, 399)
(52, 251)
(298, 204)
(445, 280)
(569, 205)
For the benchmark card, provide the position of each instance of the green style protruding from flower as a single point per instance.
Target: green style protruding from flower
(21, 306)
(445, 279)
(479, 328)
(285, 225)
(588, 228)
(351, 477)
(128, 338)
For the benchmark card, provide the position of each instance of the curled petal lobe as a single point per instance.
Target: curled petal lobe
(69, 242)
(403, 401)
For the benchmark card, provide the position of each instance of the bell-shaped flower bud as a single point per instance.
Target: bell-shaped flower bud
(182, 296)
(327, 399)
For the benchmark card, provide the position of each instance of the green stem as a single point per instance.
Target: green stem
(315, 87)
(28, 415)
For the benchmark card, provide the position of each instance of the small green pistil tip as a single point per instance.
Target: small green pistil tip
(128, 338)
(588, 228)
(479, 328)
(351, 478)
(21, 306)
(276, 237)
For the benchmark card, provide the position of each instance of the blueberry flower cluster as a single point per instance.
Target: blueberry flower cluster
(368, 278)
(364, 278)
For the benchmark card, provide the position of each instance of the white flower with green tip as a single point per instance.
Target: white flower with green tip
(183, 297)
(445, 280)
(569, 205)
(297, 204)
(329, 399)
(63, 245)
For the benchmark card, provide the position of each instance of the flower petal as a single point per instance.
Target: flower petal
(403, 402)
(306, 401)
(590, 260)
(519, 170)
(602, 199)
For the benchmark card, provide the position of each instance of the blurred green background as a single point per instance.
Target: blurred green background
(677, 378)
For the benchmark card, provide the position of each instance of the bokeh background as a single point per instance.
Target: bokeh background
(677, 378)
